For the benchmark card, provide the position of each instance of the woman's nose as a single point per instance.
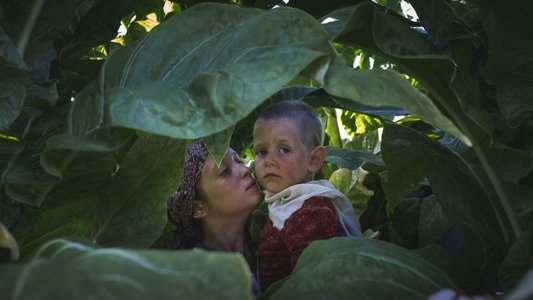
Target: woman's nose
(245, 171)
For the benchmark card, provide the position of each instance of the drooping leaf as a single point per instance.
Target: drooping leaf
(86, 271)
(348, 268)
(367, 87)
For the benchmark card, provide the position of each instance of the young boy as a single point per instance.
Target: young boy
(287, 147)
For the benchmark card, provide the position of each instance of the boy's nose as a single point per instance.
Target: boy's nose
(269, 160)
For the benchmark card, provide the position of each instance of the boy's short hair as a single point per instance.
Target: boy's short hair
(302, 115)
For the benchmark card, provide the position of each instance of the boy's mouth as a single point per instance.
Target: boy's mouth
(268, 175)
(251, 185)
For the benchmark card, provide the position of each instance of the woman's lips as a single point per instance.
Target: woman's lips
(251, 185)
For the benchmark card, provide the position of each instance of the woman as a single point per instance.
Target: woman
(212, 204)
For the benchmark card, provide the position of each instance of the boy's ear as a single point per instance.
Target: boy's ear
(200, 209)
(316, 159)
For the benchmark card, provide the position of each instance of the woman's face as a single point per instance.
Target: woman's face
(229, 190)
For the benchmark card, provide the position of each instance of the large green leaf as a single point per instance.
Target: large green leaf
(349, 268)
(209, 81)
(124, 207)
(63, 269)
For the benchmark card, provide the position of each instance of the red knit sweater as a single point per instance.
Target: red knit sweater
(278, 250)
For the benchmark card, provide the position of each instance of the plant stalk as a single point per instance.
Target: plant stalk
(491, 175)
(500, 192)
(493, 178)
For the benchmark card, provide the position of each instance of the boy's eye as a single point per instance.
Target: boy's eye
(284, 150)
(260, 152)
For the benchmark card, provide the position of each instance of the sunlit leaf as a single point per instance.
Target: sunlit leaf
(366, 27)
(350, 183)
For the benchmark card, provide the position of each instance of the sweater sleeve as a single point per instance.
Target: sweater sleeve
(315, 220)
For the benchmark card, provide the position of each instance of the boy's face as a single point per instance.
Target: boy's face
(281, 159)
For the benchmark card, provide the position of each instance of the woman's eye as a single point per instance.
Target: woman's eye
(237, 159)
(225, 171)
(284, 150)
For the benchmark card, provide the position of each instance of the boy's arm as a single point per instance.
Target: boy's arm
(315, 220)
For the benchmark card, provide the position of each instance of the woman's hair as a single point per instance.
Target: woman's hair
(180, 206)
(302, 115)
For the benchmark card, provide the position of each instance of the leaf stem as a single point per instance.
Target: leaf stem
(493, 178)
(24, 38)
(498, 188)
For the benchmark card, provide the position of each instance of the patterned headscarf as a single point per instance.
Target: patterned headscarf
(180, 204)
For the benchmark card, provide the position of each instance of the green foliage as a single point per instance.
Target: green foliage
(92, 134)
(79, 268)
(347, 268)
